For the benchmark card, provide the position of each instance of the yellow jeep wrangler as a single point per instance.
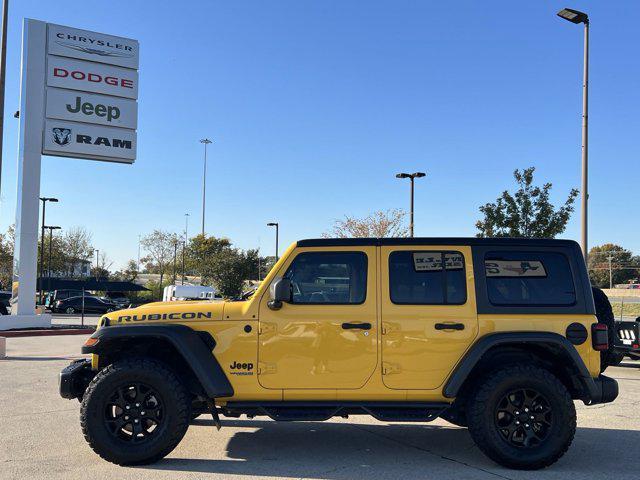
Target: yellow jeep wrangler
(497, 335)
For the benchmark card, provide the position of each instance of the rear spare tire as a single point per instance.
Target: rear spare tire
(604, 313)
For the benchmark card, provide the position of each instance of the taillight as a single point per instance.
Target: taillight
(600, 336)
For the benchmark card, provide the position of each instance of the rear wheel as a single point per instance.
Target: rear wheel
(135, 412)
(522, 417)
(70, 310)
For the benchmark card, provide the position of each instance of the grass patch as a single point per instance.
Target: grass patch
(626, 309)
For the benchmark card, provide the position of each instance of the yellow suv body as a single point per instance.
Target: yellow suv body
(402, 329)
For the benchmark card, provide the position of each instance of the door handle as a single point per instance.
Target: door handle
(449, 326)
(359, 326)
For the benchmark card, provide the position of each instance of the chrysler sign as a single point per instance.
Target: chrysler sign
(91, 46)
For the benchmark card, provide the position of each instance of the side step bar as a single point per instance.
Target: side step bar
(320, 411)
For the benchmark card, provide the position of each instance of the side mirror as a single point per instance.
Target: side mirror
(280, 291)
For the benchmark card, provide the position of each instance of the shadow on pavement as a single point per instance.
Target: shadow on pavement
(344, 451)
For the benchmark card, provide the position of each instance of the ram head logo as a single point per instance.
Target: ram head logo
(62, 136)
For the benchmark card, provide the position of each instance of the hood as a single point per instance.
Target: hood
(166, 312)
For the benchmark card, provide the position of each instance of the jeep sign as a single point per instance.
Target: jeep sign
(72, 139)
(91, 108)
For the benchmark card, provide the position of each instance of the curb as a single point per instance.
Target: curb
(48, 332)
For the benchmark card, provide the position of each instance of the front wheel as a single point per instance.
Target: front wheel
(70, 310)
(135, 412)
(522, 417)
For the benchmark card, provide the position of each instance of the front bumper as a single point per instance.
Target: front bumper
(604, 390)
(73, 379)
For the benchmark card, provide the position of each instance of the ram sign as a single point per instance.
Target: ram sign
(91, 88)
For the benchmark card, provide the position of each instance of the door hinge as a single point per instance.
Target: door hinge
(390, 368)
(267, 327)
(264, 368)
(389, 327)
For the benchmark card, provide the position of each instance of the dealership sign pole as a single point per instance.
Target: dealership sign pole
(78, 99)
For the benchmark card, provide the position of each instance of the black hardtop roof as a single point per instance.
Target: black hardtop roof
(471, 241)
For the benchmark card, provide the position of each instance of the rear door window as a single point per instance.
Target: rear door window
(419, 278)
(529, 278)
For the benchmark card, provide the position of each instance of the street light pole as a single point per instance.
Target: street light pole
(44, 201)
(577, 17)
(610, 272)
(175, 256)
(3, 65)
(184, 244)
(412, 177)
(186, 227)
(275, 224)
(206, 142)
(49, 265)
(97, 259)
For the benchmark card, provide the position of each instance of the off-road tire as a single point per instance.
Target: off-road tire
(483, 425)
(176, 411)
(604, 313)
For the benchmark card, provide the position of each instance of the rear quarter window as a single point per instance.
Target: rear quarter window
(529, 279)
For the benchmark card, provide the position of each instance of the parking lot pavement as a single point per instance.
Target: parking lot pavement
(75, 319)
(40, 437)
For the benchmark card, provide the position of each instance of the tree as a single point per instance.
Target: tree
(6, 258)
(76, 245)
(159, 246)
(622, 265)
(527, 213)
(230, 268)
(389, 223)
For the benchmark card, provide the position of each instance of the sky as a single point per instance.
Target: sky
(314, 106)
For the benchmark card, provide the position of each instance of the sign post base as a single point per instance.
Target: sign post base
(9, 322)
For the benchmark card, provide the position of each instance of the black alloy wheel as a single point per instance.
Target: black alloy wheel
(524, 418)
(135, 412)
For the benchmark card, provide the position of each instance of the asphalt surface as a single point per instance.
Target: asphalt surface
(40, 437)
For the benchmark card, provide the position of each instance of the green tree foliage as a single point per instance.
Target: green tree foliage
(526, 213)
(221, 265)
(622, 265)
(6, 258)
(159, 247)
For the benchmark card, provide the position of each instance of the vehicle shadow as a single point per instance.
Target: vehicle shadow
(344, 451)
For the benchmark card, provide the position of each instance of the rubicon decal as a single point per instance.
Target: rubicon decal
(92, 77)
(162, 316)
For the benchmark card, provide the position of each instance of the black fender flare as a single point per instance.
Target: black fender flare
(195, 347)
(592, 392)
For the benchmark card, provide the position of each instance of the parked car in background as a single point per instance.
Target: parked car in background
(62, 294)
(91, 305)
(118, 298)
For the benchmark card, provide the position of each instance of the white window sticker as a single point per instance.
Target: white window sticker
(514, 268)
(427, 261)
(454, 261)
(432, 261)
